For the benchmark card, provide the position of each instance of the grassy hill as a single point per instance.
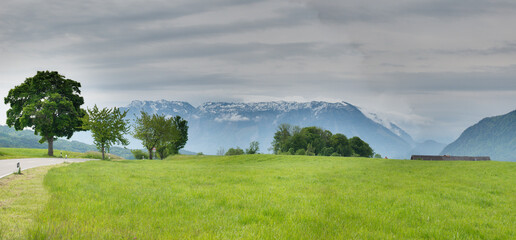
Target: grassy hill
(278, 197)
(10, 138)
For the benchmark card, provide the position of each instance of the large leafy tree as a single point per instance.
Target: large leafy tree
(48, 103)
(156, 131)
(340, 144)
(360, 147)
(107, 126)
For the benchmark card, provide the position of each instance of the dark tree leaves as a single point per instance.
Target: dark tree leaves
(49, 104)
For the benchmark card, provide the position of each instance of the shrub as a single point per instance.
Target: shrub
(234, 151)
(98, 155)
(300, 152)
(292, 151)
(335, 154)
(140, 154)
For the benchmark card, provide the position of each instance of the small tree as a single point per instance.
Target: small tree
(221, 151)
(107, 126)
(254, 147)
(182, 128)
(145, 130)
(48, 103)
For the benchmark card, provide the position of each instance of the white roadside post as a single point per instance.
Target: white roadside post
(154, 152)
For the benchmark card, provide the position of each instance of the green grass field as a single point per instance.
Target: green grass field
(21, 197)
(278, 197)
(12, 153)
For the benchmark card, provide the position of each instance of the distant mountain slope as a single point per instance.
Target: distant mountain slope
(493, 136)
(11, 138)
(215, 125)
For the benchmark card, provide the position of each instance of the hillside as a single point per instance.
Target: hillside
(493, 136)
(215, 125)
(10, 138)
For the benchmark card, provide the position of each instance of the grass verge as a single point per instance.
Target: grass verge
(279, 197)
(21, 198)
(13, 153)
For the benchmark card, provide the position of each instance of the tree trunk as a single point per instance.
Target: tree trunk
(50, 141)
(150, 153)
(103, 152)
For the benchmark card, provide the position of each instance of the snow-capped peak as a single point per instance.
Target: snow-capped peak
(382, 121)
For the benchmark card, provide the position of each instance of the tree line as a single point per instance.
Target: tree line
(293, 140)
(50, 104)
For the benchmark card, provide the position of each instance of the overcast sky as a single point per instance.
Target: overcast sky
(434, 67)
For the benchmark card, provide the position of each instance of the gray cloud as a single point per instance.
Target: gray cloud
(346, 12)
(98, 18)
(419, 60)
(506, 48)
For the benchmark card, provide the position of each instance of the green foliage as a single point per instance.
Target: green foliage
(360, 147)
(281, 138)
(276, 197)
(158, 132)
(291, 151)
(234, 151)
(107, 126)
(254, 147)
(327, 151)
(301, 152)
(315, 141)
(140, 154)
(178, 143)
(341, 145)
(49, 104)
(377, 155)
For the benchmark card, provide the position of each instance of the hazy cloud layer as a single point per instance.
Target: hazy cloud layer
(433, 67)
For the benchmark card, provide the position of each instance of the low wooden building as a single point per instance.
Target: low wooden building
(448, 158)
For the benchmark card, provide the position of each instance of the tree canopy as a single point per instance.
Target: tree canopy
(48, 103)
(162, 133)
(179, 142)
(317, 141)
(107, 126)
(254, 147)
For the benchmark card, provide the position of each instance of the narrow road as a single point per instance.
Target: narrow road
(8, 166)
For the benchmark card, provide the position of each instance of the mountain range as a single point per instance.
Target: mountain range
(493, 136)
(222, 125)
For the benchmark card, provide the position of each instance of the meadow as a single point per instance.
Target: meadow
(278, 197)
